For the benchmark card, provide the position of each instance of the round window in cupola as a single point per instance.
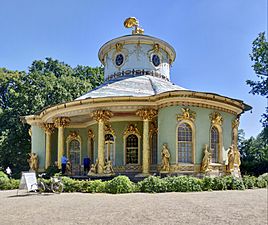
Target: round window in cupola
(156, 60)
(119, 59)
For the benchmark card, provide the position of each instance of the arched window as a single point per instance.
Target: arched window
(185, 143)
(214, 143)
(132, 149)
(109, 148)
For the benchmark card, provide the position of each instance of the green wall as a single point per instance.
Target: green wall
(167, 125)
(39, 145)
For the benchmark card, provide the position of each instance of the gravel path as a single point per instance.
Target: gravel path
(219, 207)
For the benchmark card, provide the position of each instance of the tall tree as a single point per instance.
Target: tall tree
(259, 57)
(254, 153)
(47, 83)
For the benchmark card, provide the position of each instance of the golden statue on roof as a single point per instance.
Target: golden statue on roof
(134, 23)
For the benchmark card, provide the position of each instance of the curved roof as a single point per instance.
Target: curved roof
(132, 86)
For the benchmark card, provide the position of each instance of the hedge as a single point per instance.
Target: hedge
(152, 184)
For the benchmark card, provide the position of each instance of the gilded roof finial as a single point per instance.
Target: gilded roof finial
(134, 23)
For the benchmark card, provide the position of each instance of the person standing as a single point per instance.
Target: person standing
(63, 164)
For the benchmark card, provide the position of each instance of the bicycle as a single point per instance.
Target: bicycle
(56, 185)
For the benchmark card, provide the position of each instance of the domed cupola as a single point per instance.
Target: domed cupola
(136, 55)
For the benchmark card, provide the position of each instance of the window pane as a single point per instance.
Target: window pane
(214, 143)
(185, 143)
(132, 149)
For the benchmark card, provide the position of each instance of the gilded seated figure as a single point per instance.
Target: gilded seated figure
(108, 168)
(33, 161)
(205, 167)
(165, 158)
(94, 168)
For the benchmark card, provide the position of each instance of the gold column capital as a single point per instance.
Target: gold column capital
(146, 114)
(235, 123)
(49, 127)
(61, 121)
(102, 115)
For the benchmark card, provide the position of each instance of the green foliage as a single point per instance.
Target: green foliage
(249, 181)
(260, 58)
(97, 186)
(262, 181)
(120, 184)
(183, 184)
(219, 183)
(254, 153)
(153, 184)
(6, 183)
(48, 82)
(207, 183)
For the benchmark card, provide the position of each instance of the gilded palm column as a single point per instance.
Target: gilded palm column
(101, 116)
(60, 123)
(49, 128)
(235, 125)
(146, 115)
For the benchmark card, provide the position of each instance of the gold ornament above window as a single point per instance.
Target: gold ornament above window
(216, 118)
(108, 129)
(132, 129)
(187, 114)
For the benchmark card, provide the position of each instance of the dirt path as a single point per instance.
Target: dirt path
(219, 207)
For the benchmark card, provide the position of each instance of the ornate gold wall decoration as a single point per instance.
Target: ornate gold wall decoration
(49, 127)
(118, 47)
(90, 133)
(108, 129)
(156, 48)
(103, 115)
(187, 114)
(73, 134)
(235, 123)
(61, 121)
(146, 114)
(216, 118)
(131, 129)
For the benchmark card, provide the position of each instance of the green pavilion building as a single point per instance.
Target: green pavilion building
(136, 111)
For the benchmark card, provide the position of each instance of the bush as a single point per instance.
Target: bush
(70, 185)
(249, 181)
(120, 184)
(219, 183)
(152, 184)
(97, 186)
(6, 183)
(207, 184)
(262, 181)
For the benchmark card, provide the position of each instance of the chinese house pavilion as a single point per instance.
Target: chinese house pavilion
(137, 110)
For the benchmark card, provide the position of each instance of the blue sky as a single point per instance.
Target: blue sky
(212, 38)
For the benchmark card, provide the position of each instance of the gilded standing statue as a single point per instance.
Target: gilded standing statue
(205, 167)
(33, 161)
(165, 158)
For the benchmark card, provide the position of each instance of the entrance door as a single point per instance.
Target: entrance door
(75, 155)
(109, 148)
